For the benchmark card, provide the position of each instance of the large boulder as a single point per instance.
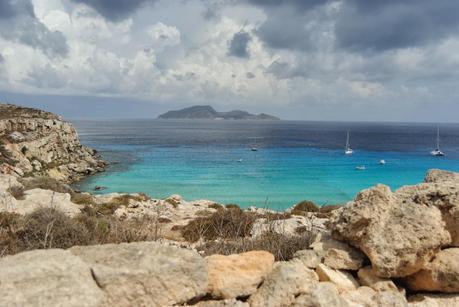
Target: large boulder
(145, 273)
(442, 274)
(397, 231)
(238, 275)
(287, 281)
(47, 278)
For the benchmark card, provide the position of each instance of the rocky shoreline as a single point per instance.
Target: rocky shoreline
(61, 247)
(39, 143)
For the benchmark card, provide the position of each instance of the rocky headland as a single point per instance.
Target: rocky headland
(39, 143)
(60, 247)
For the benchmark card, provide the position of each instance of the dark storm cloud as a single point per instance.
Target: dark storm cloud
(360, 25)
(6, 9)
(238, 46)
(115, 9)
(285, 25)
(382, 25)
(19, 23)
(298, 4)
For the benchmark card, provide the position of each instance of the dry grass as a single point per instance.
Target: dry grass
(46, 183)
(282, 246)
(304, 207)
(223, 224)
(17, 192)
(49, 228)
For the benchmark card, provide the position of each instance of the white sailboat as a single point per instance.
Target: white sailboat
(348, 150)
(437, 152)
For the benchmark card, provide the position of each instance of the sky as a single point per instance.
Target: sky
(391, 60)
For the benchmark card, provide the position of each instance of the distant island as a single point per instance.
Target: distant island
(207, 112)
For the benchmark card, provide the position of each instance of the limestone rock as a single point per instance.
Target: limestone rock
(347, 258)
(309, 258)
(368, 278)
(434, 300)
(337, 255)
(342, 279)
(238, 275)
(287, 281)
(389, 298)
(223, 303)
(47, 278)
(442, 274)
(146, 273)
(438, 176)
(324, 295)
(38, 198)
(398, 232)
(32, 135)
(361, 297)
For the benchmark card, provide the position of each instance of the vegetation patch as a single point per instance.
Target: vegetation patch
(50, 228)
(46, 183)
(282, 246)
(303, 207)
(223, 224)
(17, 192)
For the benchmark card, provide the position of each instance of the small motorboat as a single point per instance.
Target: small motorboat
(382, 162)
(254, 149)
(240, 160)
(360, 168)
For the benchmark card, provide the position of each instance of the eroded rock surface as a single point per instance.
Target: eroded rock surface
(397, 231)
(442, 274)
(47, 278)
(145, 273)
(238, 275)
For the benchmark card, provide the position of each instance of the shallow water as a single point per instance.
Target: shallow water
(295, 160)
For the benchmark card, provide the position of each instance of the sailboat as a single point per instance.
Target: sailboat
(348, 150)
(437, 152)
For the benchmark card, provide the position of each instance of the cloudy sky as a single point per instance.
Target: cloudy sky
(299, 59)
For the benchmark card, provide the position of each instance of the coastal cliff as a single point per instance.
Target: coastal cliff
(39, 143)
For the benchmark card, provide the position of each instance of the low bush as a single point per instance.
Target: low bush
(222, 224)
(46, 183)
(17, 192)
(50, 228)
(282, 246)
(303, 207)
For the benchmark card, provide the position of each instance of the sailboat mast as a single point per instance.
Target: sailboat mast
(438, 137)
(347, 141)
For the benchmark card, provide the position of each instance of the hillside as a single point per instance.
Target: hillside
(208, 112)
(39, 143)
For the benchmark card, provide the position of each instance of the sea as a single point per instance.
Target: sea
(295, 160)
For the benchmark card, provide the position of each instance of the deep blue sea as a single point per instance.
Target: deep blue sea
(295, 161)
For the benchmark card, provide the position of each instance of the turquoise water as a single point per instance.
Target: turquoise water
(278, 175)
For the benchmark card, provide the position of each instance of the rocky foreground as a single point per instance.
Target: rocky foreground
(60, 247)
(382, 249)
